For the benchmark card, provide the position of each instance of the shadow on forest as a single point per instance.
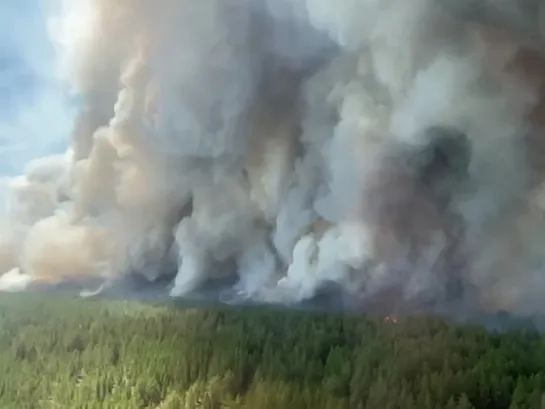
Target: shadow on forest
(218, 293)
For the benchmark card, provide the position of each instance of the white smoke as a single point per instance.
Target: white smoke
(276, 141)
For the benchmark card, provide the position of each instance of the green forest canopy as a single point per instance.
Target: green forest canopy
(72, 353)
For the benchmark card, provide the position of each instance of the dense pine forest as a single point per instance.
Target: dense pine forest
(73, 353)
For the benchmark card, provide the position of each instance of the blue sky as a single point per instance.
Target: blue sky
(35, 118)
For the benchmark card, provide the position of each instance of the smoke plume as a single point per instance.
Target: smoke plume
(288, 144)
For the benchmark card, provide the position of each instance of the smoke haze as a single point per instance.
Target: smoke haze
(285, 146)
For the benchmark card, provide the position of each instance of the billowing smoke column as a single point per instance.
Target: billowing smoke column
(289, 144)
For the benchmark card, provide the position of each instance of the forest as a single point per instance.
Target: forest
(65, 352)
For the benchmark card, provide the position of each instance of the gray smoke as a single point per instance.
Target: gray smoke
(288, 145)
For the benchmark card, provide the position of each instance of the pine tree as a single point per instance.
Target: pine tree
(519, 399)
(451, 404)
(378, 395)
(464, 403)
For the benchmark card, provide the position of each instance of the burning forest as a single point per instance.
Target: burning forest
(386, 148)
